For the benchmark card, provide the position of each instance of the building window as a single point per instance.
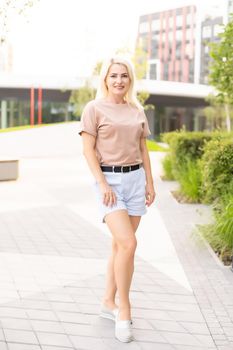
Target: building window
(188, 34)
(206, 49)
(171, 22)
(165, 72)
(179, 35)
(155, 25)
(144, 27)
(143, 43)
(188, 19)
(206, 32)
(188, 51)
(153, 71)
(170, 37)
(179, 21)
(218, 28)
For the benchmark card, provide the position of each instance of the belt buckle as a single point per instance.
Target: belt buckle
(130, 168)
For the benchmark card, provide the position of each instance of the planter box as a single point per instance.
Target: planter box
(9, 168)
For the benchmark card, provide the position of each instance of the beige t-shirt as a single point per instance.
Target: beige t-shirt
(117, 128)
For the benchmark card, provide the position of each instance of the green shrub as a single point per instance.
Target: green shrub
(167, 167)
(190, 180)
(217, 168)
(220, 233)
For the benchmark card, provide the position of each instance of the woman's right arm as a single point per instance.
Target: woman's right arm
(109, 197)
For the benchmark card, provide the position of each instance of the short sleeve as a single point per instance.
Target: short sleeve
(146, 130)
(88, 120)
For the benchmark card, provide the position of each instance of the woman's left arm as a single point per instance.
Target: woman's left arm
(150, 192)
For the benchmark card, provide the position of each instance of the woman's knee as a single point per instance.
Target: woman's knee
(114, 246)
(128, 245)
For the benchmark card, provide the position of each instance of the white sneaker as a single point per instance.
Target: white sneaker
(123, 330)
(108, 313)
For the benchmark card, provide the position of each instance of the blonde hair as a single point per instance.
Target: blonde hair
(102, 91)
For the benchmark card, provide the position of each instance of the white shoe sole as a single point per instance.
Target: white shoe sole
(125, 340)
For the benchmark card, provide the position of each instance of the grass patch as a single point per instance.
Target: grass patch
(154, 147)
(25, 127)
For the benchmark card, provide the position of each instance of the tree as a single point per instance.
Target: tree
(221, 69)
(215, 113)
(9, 8)
(80, 97)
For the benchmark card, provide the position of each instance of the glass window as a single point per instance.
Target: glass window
(153, 71)
(179, 35)
(155, 25)
(188, 19)
(171, 22)
(188, 34)
(170, 36)
(206, 32)
(218, 29)
(206, 49)
(179, 21)
(144, 27)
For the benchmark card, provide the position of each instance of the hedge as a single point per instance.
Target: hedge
(217, 168)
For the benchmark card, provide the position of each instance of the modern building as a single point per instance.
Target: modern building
(168, 37)
(210, 29)
(230, 8)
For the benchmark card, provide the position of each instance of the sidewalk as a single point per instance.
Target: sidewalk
(53, 254)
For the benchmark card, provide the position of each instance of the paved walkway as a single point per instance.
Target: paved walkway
(53, 253)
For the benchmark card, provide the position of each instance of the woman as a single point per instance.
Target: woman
(114, 130)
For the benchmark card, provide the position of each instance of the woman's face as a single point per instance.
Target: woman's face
(117, 80)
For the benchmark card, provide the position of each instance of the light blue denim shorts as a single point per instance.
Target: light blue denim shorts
(130, 192)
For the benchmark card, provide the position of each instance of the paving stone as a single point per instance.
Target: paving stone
(16, 323)
(54, 339)
(186, 339)
(153, 346)
(167, 326)
(12, 312)
(113, 343)
(18, 346)
(48, 347)
(88, 343)
(3, 345)
(152, 336)
(73, 317)
(42, 315)
(69, 307)
(195, 328)
(47, 326)
(20, 336)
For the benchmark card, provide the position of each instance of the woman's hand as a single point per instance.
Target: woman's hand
(109, 196)
(150, 194)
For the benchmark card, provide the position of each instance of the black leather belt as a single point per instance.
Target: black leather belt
(120, 169)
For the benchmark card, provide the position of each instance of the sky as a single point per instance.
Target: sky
(67, 37)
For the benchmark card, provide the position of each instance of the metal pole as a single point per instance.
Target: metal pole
(32, 105)
(39, 105)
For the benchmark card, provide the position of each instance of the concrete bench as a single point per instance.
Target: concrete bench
(9, 168)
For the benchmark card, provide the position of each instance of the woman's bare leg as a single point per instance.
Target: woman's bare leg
(111, 287)
(123, 233)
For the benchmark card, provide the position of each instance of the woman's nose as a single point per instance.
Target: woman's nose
(118, 78)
